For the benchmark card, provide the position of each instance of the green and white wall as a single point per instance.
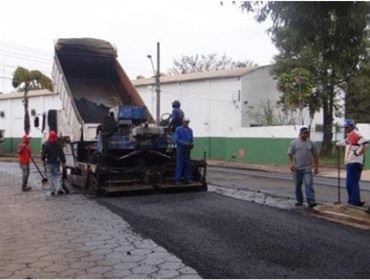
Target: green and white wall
(11, 121)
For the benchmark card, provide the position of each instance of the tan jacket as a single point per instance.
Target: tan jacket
(354, 153)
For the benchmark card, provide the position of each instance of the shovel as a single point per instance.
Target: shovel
(338, 175)
(43, 180)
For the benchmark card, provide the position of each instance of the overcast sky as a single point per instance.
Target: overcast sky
(28, 29)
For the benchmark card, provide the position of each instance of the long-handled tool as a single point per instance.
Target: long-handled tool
(43, 180)
(338, 175)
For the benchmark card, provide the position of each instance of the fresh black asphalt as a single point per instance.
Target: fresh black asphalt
(223, 237)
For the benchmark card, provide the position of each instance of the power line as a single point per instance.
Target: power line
(22, 53)
(6, 78)
(25, 58)
(41, 52)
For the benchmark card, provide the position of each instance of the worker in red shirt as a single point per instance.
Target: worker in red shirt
(24, 156)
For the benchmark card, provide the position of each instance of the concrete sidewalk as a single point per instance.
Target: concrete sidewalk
(72, 236)
(324, 171)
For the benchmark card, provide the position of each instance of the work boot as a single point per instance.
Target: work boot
(297, 204)
(312, 204)
(361, 203)
(26, 189)
(60, 192)
(52, 193)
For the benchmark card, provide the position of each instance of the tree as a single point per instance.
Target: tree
(201, 63)
(268, 114)
(297, 88)
(330, 33)
(25, 80)
(358, 97)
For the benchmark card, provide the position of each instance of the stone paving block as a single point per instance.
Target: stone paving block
(93, 258)
(153, 261)
(99, 269)
(189, 276)
(171, 265)
(102, 251)
(140, 252)
(125, 265)
(40, 264)
(187, 270)
(166, 274)
(90, 276)
(5, 274)
(145, 269)
(82, 265)
(55, 268)
(137, 276)
(117, 274)
(13, 267)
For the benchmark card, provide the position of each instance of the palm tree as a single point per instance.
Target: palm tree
(25, 80)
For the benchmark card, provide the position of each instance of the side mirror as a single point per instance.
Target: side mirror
(36, 122)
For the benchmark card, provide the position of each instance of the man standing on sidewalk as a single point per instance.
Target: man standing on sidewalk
(24, 156)
(53, 155)
(355, 145)
(303, 155)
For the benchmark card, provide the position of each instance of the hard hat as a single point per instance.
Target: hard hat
(303, 128)
(348, 122)
(186, 119)
(176, 104)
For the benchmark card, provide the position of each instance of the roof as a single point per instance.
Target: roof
(31, 93)
(230, 73)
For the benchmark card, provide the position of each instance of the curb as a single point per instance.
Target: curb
(265, 170)
(344, 214)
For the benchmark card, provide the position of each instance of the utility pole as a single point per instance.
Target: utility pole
(158, 85)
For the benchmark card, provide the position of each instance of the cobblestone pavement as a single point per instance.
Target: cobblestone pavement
(72, 236)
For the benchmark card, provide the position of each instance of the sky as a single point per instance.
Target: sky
(28, 29)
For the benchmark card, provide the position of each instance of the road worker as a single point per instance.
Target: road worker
(177, 115)
(184, 143)
(356, 146)
(53, 155)
(24, 156)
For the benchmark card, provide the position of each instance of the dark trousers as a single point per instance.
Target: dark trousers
(25, 174)
(183, 164)
(354, 171)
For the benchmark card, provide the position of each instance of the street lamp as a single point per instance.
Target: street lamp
(157, 81)
(151, 60)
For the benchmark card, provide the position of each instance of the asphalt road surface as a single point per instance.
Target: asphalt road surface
(222, 237)
(280, 184)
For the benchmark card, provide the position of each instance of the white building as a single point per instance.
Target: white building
(12, 116)
(217, 102)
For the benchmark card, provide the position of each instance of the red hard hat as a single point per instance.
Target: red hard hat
(53, 137)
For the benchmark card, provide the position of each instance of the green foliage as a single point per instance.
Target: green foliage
(325, 38)
(268, 114)
(25, 80)
(201, 63)
(358, 97)
(297, 86)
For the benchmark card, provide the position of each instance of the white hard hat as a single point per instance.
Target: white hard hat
(186, 119)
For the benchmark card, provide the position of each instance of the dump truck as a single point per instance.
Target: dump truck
(109, 137)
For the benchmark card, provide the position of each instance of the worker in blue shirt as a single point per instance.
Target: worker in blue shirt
(184, 143)
(177, 115)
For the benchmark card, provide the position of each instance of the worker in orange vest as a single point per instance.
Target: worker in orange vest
(24, 156)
